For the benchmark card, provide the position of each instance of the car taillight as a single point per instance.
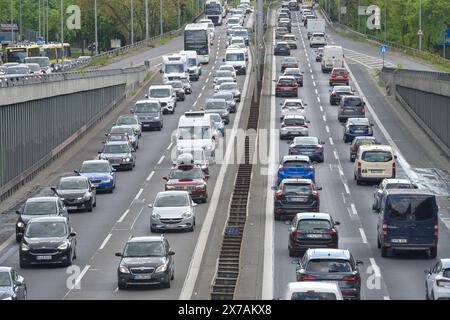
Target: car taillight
(385, 228)
(278, 194)
(315, 195)
(354, 148)
(283, 125)
(436, 230)
(359, 165)
(352, 278)
(318, 149)
(393, 169)
(443, 282)
(363, 110)
(296, 232)
(305, 125)
(307, 277)
(333, 94)
(341, 109)
(332, 231)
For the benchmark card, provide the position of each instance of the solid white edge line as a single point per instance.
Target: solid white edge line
(197, 256)
(363, 235)
(170, 146)
(123, 216)
(105, 241)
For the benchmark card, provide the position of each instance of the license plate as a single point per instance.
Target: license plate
(293, 132)
(44, 258)
(95, 185)
(376, 171)
(72, 208)
(297, 199)
(146, 125)
(314, 236)
(399, 240)
(143, 276)
(359, 131)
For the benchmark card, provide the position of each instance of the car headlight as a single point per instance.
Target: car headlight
(155, 215)
(209, 148)
(187, 214)
(20, 225)
(25, 247)
(126, 159)
(162, 268)
(123, 269)
(107, 180)
(170, 188)
(156, 118)
(87, 196)
(64, 246)
(225, 114)
(200, 187)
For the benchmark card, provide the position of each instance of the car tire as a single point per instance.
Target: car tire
(166, 284)
(358, 182)
(432, 295)
(173, 275)
(384, 252)
(95, 202)
(426, 291)
(292, 253)
(69, 263)
(153, 230)
(18, 239)
(433, 253)
(23, 265)
(91, 207)
(122, 286)
(378, 243)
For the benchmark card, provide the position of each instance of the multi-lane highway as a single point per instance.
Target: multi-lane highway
(117, 216)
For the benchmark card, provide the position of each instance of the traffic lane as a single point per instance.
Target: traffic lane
(141, 227)
(369, 219)
(126, 190)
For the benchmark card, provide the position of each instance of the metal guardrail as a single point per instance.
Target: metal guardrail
(53, 77)
(418, 74)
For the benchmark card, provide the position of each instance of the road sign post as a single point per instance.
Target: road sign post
(383, 50)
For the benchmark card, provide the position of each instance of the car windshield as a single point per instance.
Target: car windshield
(116, 137)
(293, 104)
(377, 156)
(235, 57)
(40, 208)
(241, 33)
(144, 249)
(42, 61)
(5, 279)
(193, 133)
(172, 200)
(328, 266)
(177, 174)
(300, 189)
(234, 21)
(296, 163)
(446, 273)
(34, 67)
(147, 108)
(289, 60)
(215, 105)
(292, 71)
(313, 225)
(411, 208)
(282, 45)
(313, 295)
(228, 86)
(18, 70)
(353, 102)
(95, 167)
(364, 142)
(116, 148)
(46, 230)
(174, 68)
(294, 122)
(127, 121)
(401, 186)
(159, 93)
(72, 184)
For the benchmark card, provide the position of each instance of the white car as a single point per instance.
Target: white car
(317, 40)
(294, 125)
(227, 67)
(292, 106)
(312, 290)
(210, 27)
(437, 281)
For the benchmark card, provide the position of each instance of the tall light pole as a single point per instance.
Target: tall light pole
(12, 21)
(178, 14)
(420, 25)
(62, 30)
(385, 21)
(132, 22)
(147, 36)
(20, 19)
(161, 16)
(39, 14)
(96, 27)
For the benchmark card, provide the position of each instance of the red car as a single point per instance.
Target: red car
(286, 86)
(190, 178)
(339, 75)
(289, 62)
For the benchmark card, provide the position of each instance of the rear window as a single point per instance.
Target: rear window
(313, 295)
(377, 156)
(299, 189)
(401, 186)
(286, 82)
(296, 163)
(416, 208)
(340, 72)
(446, 273)
(364, 142)
(313, 225)
(294, 122)
(353, 102)
(328, 266)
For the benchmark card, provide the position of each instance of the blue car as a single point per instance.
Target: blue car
(299, 167)
(218, 123)
(357, 127)
(101, 174)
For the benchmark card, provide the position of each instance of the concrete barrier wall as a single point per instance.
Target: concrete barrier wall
(39, 121)
(426, 97)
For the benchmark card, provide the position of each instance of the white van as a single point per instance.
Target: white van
(333, 57)
(194, 68)
(166, 97)
(174, 66)
(374, 163)
(236, 58)
(196, 130)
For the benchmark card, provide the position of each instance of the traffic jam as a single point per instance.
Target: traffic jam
(407, 214)
(43, 229)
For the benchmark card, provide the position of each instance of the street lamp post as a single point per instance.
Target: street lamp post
(420, 25)
(146, 21)
(12, 21)
(20, 20)
(161, 16)
(62, 30)
(132, 22)
(96, 27)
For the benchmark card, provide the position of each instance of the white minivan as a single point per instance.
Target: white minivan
(196, 130)
(236, 58)
(166, 97)
(333, 57)
(374, 163)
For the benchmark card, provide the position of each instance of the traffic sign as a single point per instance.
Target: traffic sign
(383, 48)
(419, 33)
(447, 32)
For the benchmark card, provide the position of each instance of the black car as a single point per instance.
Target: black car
(48, 240)
(146, 261)
(282, 49)
(295, 195)
(358, 142)
(12, 285)
(312, 230)
(286, 25)
(338, 91)
(283, 16)
(77, 193)
(332, 265)
(38, 207)
(308, 146)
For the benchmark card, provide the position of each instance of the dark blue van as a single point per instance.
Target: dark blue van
(408, 220)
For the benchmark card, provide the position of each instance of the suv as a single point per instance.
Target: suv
(312, 230)
(165, 95)
(351, 107)
(295, 195)
(76, 193)
(338, 91)
(150, 114)
(332, 265)
(357, 127)
(38, 207)
(286, 86)
(120, 154)
(282, 48)
(317, 40)
(339, 75)
(146, 261)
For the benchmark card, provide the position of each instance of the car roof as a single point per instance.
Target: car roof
(95, 161)
(408, 192)
(328, 254)
(376, 147)
(174, 192)
(292, 158)
(42, 199)
(365, 138)
(312, 285)
(291, 69)
(406, 181)
(306, 140)
(73, 178)
(160, 87)
(296, 180)
(5, 269)
(342, 88)
(361, 121)
(292, 100)
(216, 100)
(147, 101)
(287, 77)
(115, 143)
(445, 263)
(146, 239)
(49, 219)
(313, 215)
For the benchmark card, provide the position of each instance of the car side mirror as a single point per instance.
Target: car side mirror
(131, 111)
(118, 254)
(206, 176)
(194, 204)
(73, 234)
(337, 223)
(358, 262)
(372, 125)
(427, 270)
(18, 212)
(319, 188)
(308, 121)
(150, 205)
(114, 170)
(395, 157)
(161, 71)
(305, 104)
(165, 178)
(223, 59)
(171, 253)
(76, 172)
(54, 190)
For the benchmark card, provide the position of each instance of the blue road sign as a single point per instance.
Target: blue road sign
(383, 48)
(447, 32)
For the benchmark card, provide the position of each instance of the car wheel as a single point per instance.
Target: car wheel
(358, 182)
(432, 295)
(18, 238)
(95, 202)
(378, 243)
(153, 230)
(69, 263)
(23, 265)
(90, 207)
(75, 253)
(167, 284)
(384, 252)
(122, 286)
(427, 297)
(433, 253)
(173, 275)
(291, 253)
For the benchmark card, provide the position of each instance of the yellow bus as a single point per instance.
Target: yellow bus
(54, 51)
(18, 53)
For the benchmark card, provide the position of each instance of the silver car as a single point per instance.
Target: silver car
(120, 154)
(172, 210)
(132, 121)
(231, 87)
